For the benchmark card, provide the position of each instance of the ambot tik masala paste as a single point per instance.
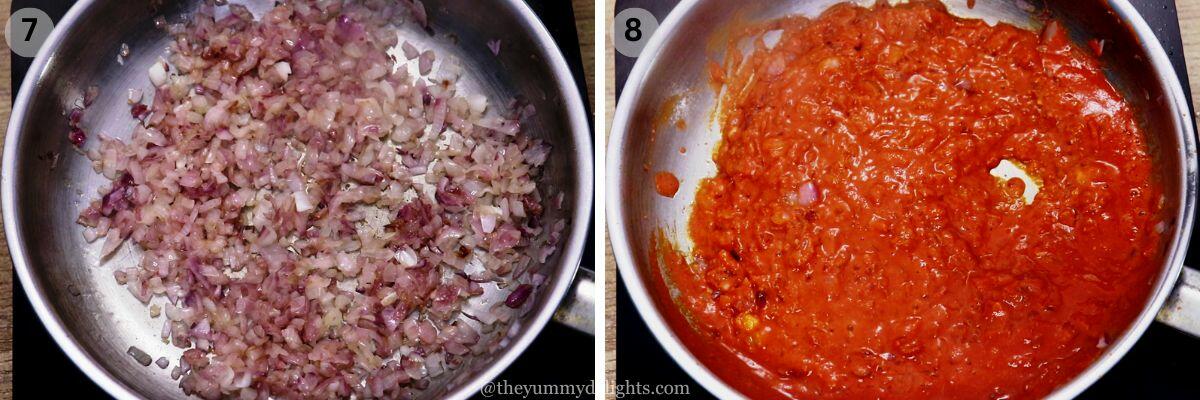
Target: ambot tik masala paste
(908, 204)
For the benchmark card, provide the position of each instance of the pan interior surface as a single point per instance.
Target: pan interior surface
(47, 182)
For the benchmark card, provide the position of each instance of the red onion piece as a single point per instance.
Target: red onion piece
(77, 137)
(410, 51)
(1051, 32)
(138, 110)
(518, 296)
(75, 116)
(418, 13)
(807, 194)
(425, 63)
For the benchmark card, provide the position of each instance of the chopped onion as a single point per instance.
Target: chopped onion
(777, 65)
(135, 96)
(407, 257)
(478, 104)
(488, 223)
(518, 296)
(303, 202)
(1051, 31)
(283, 70)
(111, 242)
(771, 38)
(410, 51)
(418, 13)
(425, 64)
(158, 73)
(807, 194)
(309, 219)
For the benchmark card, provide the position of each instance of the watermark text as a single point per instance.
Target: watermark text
(504, 389)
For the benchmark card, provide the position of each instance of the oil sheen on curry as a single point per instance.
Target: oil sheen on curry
(908, 204)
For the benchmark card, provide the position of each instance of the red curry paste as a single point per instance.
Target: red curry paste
(666, 184)
(914, 273)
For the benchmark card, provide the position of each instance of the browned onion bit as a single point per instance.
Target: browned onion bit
(138, 355)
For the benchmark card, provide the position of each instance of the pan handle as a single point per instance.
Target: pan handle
(1182, 310)
(577, 310)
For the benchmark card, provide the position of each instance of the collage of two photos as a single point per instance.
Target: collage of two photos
(565, 199)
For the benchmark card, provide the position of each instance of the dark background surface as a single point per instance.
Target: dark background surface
(571, 353)
(1162, 365)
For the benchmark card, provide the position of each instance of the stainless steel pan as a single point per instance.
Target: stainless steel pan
(95, 320)
(674, 61)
